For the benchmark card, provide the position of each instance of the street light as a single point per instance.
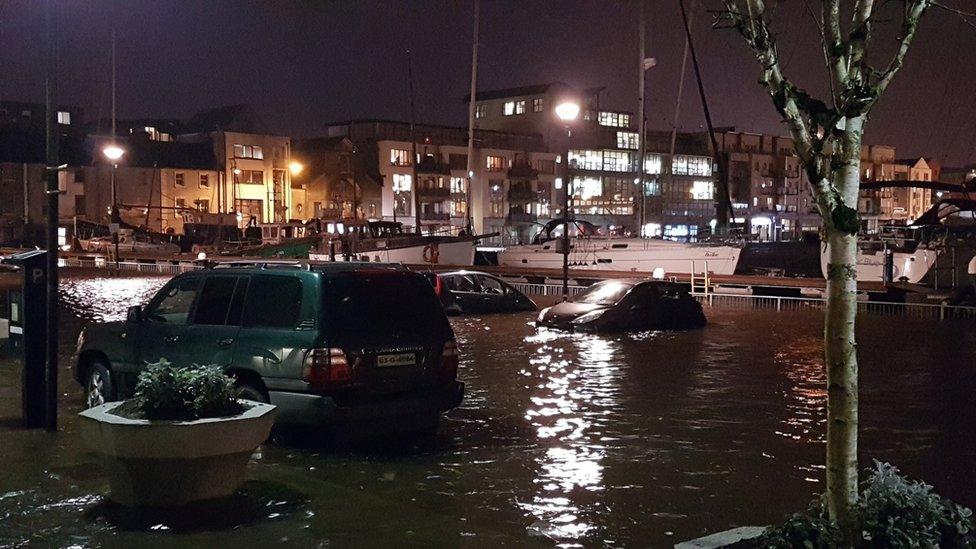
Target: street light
(114, 152)
(568, 112)
(296, 168)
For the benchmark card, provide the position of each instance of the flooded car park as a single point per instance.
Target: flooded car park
(563, 439)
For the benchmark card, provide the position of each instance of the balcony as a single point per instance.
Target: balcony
(434, 194)
(515, 218)
(522, 195)
(522, 170)
(435, 216)
(431, 165)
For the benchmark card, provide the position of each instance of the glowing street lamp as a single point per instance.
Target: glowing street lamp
(568, 112)
(113, 152)
(296, 168)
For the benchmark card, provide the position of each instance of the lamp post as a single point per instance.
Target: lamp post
(568, 112)
(114, 152)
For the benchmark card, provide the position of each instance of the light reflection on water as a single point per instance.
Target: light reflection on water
(106, 299)
(572, 403)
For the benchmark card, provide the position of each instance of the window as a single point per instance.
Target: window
(509, 108)
(520, 107)
(703, 190)
(490, 285)
(180, 204)
(401, 182)
(587, 159)
(203, 204)
(172, 304)
(180, 179)
(457, 185)
(617, 161)
(692, 165)
(586, 188)
(458, 161)
(538, 104)
(80, 206)
(79, 176)
(248, 151)
(614, 119)
(480, 110)
(273, 302)
(64, 117)
(652, 164)
(251, 177)
(627, 140)
(215, 300)
(545, 166)
(495, 163)
(399, 157)
(204, 180)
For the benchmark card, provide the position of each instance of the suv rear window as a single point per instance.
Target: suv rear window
(365, 304)
(273, 302)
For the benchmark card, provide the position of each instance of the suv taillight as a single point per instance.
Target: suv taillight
(326, 367)
(449, 361)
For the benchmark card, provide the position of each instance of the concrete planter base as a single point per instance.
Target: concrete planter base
(743, 537)
(165, 463)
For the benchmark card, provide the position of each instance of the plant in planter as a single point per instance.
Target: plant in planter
(182, 438)
(892, 511)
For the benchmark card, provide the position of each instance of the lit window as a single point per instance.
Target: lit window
(457, 185)
(509, 108)
(180, 179)
(480, 110)
(401, 182)
(64, 117)
(613, 119)
(520, 107)
(495, 163)
(399, 157)
(703, 190)
(586, 188)
(538, 104)
(627, 140)
(652, 164)
(180, 204)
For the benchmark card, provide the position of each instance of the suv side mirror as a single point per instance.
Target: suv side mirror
(134, 313)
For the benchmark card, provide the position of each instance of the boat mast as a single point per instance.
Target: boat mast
(415, 185)
(471, 112)
(641, 145)
(723, 206)
(677, 104)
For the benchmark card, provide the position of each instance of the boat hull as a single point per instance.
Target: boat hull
(638, 256)
(460, 253)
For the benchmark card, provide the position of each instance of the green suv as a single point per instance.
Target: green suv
(332, 343)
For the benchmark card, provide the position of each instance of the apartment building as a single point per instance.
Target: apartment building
(769, 189)
(896, 204)
(512, 180)
(333, 183)
(601, 146)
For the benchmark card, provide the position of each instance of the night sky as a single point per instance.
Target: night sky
(301, 65)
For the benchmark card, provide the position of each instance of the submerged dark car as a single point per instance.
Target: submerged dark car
(626, 305)
(472, 292)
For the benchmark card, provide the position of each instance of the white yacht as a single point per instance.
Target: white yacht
(932, 250)
(590, 250)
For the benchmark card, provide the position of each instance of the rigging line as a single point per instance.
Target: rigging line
(708, 117)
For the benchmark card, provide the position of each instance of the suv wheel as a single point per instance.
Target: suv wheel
(249, 392)
(98, 385)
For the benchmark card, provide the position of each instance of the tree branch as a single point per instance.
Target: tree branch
(912, 16)
(823, 44)
(836, 49)
(859, 36)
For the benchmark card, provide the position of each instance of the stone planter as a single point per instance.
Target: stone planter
(165, 463)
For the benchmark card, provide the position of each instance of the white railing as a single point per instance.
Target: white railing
(159, 267)
(884, 308)
(548, 290)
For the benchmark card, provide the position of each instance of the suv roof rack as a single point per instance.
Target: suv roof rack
(304, 264)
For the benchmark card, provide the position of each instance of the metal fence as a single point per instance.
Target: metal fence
(548, 290)
(149, 268)
(883, 308)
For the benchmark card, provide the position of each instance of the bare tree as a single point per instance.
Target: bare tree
(827, 136)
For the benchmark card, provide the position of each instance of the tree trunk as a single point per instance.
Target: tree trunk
(840, 350)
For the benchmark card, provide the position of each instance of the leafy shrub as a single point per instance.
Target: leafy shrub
(892, 511)
(167, 392)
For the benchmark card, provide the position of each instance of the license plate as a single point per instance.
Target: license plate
(401, 359)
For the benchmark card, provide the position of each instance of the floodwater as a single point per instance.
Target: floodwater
(568, 440)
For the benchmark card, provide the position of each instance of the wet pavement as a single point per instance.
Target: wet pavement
(571, 440)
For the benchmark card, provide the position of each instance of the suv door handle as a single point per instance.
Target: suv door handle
(226, 342)
(171, 339)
